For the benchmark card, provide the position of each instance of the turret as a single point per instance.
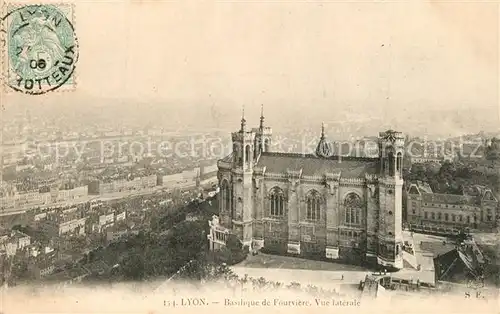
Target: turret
(263, 136)
(391, 152)
(324, 147)
(243, 146)
(242, 184)
(390, 233)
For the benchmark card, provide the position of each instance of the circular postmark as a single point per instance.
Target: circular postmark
(41, 48)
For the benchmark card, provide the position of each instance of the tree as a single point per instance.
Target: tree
(233, 252)
(188, 239)
(417, 172)
(423, 171)
(133, 267)
(447, 171)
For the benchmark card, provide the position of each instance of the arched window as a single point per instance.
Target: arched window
(257, 149)
(247, 153)
(446, 217)
(235, 152)
(439, 216)
(277, 202)
(353, 206)
(391, 163)
(313, 201)
(225, 193)
(238, 152)
(399, 162)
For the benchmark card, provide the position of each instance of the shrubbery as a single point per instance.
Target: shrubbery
(233, 253)
(452, 177)
(173, 245)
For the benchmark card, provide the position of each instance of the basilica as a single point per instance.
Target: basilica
(312, 205)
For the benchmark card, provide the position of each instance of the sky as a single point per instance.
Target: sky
(369, 58)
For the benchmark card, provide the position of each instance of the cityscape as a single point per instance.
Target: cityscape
(165, 155)
(86, 217)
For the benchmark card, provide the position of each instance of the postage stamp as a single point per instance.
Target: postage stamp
(40, 48)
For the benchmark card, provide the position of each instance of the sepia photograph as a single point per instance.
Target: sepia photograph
(168, 156)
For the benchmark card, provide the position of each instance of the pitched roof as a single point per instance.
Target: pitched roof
(449, 260)
(413, 189)
(478, 193)
(351, 167)
(419, 187)
(452, 199)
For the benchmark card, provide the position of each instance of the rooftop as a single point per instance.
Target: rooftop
(452, 199)
(419, 186)
(18, 234)
(311, 165)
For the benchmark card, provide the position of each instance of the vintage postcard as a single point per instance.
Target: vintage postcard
(249, 156)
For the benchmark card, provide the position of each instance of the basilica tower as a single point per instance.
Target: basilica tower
(390, 233)
(242, 183)
(263, 136)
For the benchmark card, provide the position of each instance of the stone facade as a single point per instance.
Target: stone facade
(314, 205)
(477, 208)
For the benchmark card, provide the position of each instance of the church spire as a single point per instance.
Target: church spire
(324, 148)
(261, 117)
(243, 121)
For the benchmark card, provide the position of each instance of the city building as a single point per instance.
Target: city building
(476, 208)
(41, 267)
(171, 179)
(116, 233)
(121, 216)
(56, 225)
(105, 220)
(123, 185)
(11, 198)
(95, 205)
(186, 178)
(74, 193)
(13, 242)
(464, 263)
(312, 205)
